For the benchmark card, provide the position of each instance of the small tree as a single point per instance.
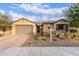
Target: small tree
(72, 14)
(5, 21)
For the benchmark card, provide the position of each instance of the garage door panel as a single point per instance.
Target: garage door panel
(23, 29)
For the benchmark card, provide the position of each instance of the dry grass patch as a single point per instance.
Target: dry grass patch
(36, 42)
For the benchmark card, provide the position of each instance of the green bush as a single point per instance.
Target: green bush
(73, 35)
(39, 34)
(46, 34)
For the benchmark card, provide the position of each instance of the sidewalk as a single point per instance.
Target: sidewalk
(39, 51)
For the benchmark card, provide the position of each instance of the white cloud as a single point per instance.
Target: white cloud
(54, 13)
(38, 8)
(32, 18)
(16, 16)
(2, 11)
(45, 6)
(58, 18)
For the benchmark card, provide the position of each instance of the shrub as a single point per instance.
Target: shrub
(47, 34)
(38, 34)
(73, 35)
(1, 35)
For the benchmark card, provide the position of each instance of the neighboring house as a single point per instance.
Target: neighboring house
(23, 26)
(57, 26)
(7, 30)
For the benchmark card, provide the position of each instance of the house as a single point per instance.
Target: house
(23, 26)
(47, 25)
(20, 26)
(56, 26)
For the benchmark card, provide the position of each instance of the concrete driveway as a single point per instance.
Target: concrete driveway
(13, 40)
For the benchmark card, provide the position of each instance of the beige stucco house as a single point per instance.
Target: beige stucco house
(23, 26)
(20, 26)
(57, 26)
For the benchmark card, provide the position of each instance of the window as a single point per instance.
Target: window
(61, 27)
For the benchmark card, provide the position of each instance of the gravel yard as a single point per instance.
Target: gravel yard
(44, 42)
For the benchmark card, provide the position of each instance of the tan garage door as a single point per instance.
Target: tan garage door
(24, 29)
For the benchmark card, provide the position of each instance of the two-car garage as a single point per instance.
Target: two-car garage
(23, 29)
(23, 26)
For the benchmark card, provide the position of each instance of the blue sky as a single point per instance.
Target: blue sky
(35, 12)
